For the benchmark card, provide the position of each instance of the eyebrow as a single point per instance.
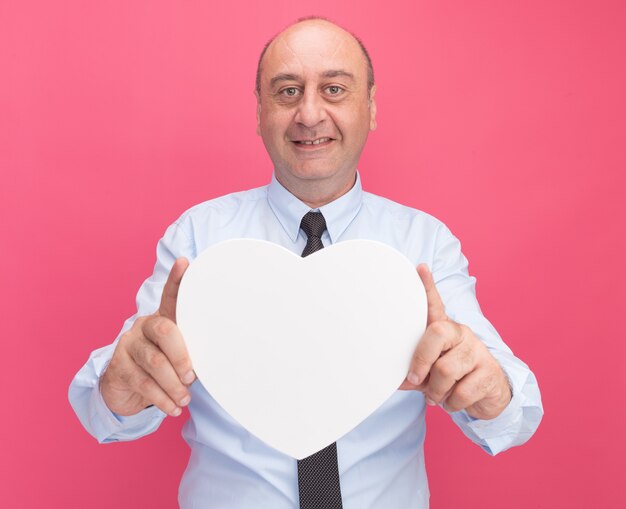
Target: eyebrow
(326, 74)
(335, 74)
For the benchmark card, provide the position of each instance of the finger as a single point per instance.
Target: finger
(436, 309)
(170, 290)
(154, 362)
(467, 392)
(484, 393)
(447, 371)
(164, 333)
(152, 392)
(407, 386)
(438, 338)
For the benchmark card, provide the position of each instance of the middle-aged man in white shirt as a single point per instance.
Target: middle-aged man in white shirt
(316, 106)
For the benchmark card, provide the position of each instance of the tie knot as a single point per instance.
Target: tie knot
(313, 224)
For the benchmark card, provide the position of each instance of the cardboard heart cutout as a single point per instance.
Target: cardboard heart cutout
(301, 350)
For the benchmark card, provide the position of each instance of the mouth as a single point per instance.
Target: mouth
(317, 142)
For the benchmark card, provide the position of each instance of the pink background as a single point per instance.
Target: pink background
(504, 119)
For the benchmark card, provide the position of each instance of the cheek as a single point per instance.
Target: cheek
(275, 118)
(354, 120)
(357, 131)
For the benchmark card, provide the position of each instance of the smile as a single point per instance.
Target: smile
(312, 142)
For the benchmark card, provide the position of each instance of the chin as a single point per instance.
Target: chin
(312, 173)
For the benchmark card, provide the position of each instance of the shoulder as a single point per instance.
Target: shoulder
(222, 209)
(395, 212)
(419, 235)
(227, 204)
(216, 219)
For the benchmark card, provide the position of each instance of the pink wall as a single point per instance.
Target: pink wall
(504, 119)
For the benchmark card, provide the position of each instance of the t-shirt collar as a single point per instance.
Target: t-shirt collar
(338, 214)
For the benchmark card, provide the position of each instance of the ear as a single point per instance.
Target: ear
(372, 107)
(258, 113)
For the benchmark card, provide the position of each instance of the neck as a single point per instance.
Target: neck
(317, 193)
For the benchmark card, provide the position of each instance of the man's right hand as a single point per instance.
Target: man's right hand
(150, 364)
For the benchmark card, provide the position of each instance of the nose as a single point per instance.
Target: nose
(311, 109)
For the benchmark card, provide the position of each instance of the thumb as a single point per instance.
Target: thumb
(170, 290)
(436, 309)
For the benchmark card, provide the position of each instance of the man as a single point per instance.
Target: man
(316, 106)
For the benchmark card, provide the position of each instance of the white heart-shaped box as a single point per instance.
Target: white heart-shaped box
(301, 350)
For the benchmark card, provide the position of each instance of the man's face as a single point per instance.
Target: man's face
(315, 109)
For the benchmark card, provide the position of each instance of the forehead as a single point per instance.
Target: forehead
(311, 48)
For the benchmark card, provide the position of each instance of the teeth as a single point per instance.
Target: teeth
(315, 142)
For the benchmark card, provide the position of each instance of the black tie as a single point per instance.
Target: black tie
(318, 475)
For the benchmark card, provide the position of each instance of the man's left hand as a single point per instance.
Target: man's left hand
(452, 367)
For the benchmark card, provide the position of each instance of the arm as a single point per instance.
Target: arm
(462, 364)
(125, 389)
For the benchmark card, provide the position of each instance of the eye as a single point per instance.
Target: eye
(290, 91)
(334, 90)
